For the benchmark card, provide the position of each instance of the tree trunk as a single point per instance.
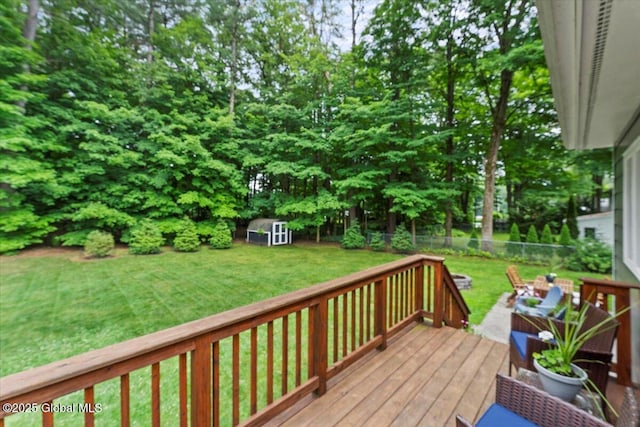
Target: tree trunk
(151, 24)
(29, 33)
(448, 220)
(499, 120)
(234, 57)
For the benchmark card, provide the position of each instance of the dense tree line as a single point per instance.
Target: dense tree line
(114, 111)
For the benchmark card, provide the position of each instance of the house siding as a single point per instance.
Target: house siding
(621, 272)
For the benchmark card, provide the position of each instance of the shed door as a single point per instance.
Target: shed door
(280, 233)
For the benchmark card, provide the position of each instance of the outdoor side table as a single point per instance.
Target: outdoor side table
(586, 400)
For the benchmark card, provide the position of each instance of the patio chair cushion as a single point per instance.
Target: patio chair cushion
(497, 416)
(519, 339)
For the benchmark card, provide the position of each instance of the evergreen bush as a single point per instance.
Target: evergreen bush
(377, 243)
(514, 246)
(99, 244)
(187, 239)
(145, 239)
(353, 238)
(532, 240)
(565, 241)
(401, 240)
(221, 236)
(546, 239)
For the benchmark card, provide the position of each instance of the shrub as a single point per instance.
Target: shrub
(514, 247)
(353, 238)
(532, 238)
(99, 244)
(591, 255)
(473, 241)
(546, 239)
(145, 239)
(401, 240)
(187, 238)
(377, 243)
(565, 241)
(221, 236)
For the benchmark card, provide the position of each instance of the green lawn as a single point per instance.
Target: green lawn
(57, 304)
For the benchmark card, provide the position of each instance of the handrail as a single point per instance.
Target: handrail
(598, 291)
(306, 336)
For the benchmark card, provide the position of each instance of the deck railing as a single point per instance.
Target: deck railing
(242, 366)
(599, 291)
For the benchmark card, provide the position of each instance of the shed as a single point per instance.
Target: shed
(268, 231)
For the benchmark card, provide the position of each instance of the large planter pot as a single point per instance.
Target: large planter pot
(566, 388)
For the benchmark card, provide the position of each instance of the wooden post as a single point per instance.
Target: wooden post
(380, 314)
(588, 292)
(419, 278)
(318, 348)
(438, 295)
(201, 383)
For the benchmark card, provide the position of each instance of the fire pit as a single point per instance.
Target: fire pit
(462, 281)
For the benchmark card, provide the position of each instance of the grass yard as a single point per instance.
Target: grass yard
(56, 304)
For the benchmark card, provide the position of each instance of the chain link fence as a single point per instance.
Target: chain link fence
(498, 248)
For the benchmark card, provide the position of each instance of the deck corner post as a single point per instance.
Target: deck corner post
(380, 312)
(438, 294)
(318, 318)
(201, 383)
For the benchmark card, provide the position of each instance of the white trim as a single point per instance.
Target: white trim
(631, 208)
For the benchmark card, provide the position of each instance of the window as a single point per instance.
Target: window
(631, 208)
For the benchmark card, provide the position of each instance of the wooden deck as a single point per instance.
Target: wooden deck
(426, 377)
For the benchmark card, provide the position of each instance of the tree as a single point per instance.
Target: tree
(187, 239)
(514, 247)
(511, 25)
(572, 218)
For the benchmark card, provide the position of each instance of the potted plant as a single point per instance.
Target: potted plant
(559, 374)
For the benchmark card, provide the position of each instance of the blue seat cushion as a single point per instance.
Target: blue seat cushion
(520, 341)
(499, 416)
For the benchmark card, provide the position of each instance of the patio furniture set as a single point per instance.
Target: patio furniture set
(521, 400)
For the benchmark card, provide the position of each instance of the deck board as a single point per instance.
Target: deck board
(425, 378)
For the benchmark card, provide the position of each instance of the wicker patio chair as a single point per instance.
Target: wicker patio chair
(596, 354)
(519, 404)
(519, 285)
(629, 415)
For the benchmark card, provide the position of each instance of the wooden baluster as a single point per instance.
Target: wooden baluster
(235, 373)
(89, 401)
(270, 362)
(285, 355)
(361, 314)
(253, 399)
(344, 325)
(215, 383)
(125, 408)
(368, 304)
(353, 319)
(155, 395)
(182, 388)
(336, 331)
(298, 348)
(47, 417)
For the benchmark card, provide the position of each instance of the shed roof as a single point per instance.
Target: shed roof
(262, 223)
